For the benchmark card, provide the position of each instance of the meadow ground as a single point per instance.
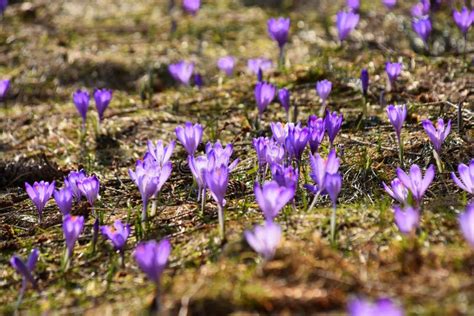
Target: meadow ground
(51, 48)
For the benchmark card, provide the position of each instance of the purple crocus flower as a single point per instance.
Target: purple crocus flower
(198, 82)
(466, 177)
(284, 176)
(415, 182)
(275, 153)
(264, 95)
(40, 193)
(102, 99)
(421, 9)
(152, 258)
(160, 152)
(466, 222)
(217, 180)
(259, 64)
(463, 19)
(117, 234)
(284, 97)
(332, 185)
(3, 6)
(323, 88)
(260, 146)
(407, 219)
(279, 131)
(25, 269)
(346, 22)
(353, 5)
(364, 80)
(191, 6)
(4, 84)
(278, 30)
(422, 26)
(226, 64)
(393, 70)
(189, 136)
(272, 197)
(182, 71)
(320, 168)
(81, 101)
(72, 180)
(198, 165)
(383, 306)
(297, 140)
(64, 199)
(397, 191)
(317, 130)
(390, 4)
(219, 155)
(72, 228)
(397, 115)
(333, 123)
(264, 239)
(90, 188)
(438, 133)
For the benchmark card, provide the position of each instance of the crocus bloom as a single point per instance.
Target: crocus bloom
(397, 191)
(346, 22)
(217, 180)
(152, 258)
(422, 27)
(4, 85)
(393, 70)
(219, 155)
(332, 185)
(321, 167)
(407, 219)
(226, 64)
(25, 269)
(264, 239)
(297, 140)
(117, 234)
(259, 64)
(260, 146)
(284, 97)
(40, 193)
(284, 176)
(278, 30)
(364, 80)
(72, 180)
(81, 101)
(317, 131)
(466, 177)
(189, 136)
(63, 199)
(463, 19)
(72, 228)
(275, 153)
(421, 9)
(466, 221)
(353, 5)
(198, 82)
(438, 133)
(323, 88)
(181, 71)
(383, 306)
(333, 123)
(191, 6)
(160, 152)
(279, 132)
(264, 95)
(397, 115)
(102, 99)
(3, 6)
(415, 182)
(90, 188)
(271, 198)
(198, 165)
(389, 3)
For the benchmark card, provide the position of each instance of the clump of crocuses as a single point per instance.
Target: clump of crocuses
(117, 234)
(264, 239)
(25, 269)
(40, 193)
